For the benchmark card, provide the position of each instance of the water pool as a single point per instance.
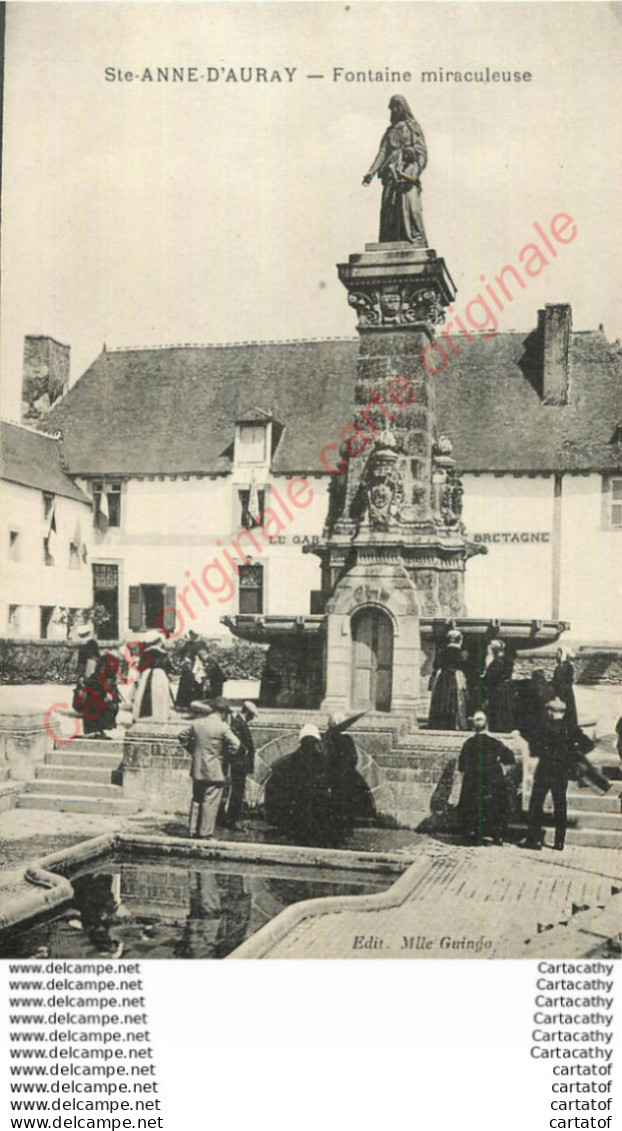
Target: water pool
(186, 908)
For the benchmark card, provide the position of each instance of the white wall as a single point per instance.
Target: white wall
(28, 582)
(514, 579)
(591, 590)
(172, 529)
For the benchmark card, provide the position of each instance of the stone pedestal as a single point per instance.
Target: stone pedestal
(394, 547)
(156, 766)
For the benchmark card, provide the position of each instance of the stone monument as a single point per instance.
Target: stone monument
(394, 547)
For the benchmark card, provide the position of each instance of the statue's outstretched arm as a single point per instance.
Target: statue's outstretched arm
(379, 161)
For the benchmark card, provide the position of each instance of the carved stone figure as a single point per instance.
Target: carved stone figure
(380, 496)
(451, 501)
(401, 159)
(447, 488)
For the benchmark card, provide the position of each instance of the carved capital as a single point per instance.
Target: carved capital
(395, 302)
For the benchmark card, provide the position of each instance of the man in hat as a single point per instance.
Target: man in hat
(560, 753)
(210, 740)
(242, 762)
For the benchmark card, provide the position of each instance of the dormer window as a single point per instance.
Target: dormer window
(251, 443)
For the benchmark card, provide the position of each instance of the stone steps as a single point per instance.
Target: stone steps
(75, 788)
(77, 804)
(108, 761)
(586, 819)
(77, 778)
(68, 773)
(399, 774)
(596, 803)
(92, 745)
(591, 838)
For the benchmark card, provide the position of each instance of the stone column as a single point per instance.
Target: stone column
(398, 292)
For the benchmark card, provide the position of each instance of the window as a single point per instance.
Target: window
(47, 612)
(48, 503)
(14, 546)
(14, 619)
(248, 517)
(48, 556)
(74, 555)
(611, 502)
(107, 508)
(251, 445)
(152, 606)
(106, 596)
(616, 503)
(251, 589)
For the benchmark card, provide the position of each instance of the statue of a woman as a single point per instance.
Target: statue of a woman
(401, 159)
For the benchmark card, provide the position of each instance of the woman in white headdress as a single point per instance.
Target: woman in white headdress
(153, 694)
(448, 705)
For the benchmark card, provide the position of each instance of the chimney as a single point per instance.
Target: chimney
(45, 376)
(555, 326)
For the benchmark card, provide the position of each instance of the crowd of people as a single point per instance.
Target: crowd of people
(314, 796)
(133, 682)
(461, 684)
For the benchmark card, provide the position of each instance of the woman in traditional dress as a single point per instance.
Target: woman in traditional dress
(496, 689)
(297, 797)
(88, 653)
(97, 698)
(191, 681)
(448, 705)
(153, 694)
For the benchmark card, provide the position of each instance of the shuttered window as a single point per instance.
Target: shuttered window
(169, 619)
(136, 609)
(152, 606)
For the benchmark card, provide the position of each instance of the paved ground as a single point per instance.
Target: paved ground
(474, 903)
(459, 898)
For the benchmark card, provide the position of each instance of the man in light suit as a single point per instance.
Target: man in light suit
(210, 741)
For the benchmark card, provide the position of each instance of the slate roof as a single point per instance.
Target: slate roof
(33, 460)
(172, 410)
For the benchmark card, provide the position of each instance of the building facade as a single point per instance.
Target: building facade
(45, 573)
(196, 459)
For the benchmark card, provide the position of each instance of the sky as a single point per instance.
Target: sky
(144, 213)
